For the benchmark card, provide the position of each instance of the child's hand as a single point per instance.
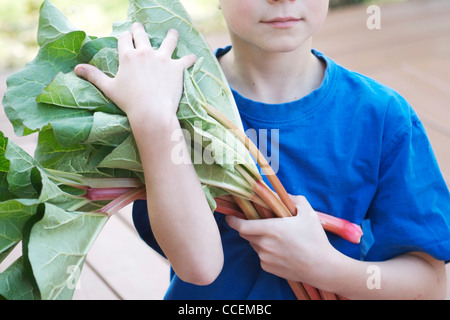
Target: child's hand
(293, 248)
(149, 82)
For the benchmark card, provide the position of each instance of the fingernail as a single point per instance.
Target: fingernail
(80, 71)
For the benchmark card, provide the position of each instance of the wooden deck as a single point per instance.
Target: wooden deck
(411, 53)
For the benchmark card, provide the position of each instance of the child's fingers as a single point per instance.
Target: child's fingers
(94, 76)
(302, 204)
(140, 37)
(124, 45)
(169, 43)
(248, 227)
(188, 61)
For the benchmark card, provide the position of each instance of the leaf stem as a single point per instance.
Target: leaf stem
(81, 182)
(248, 208)
(260, 159)
(98, 194)
(124, 200)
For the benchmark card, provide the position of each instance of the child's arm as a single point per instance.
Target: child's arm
(148, 88)
(297, 249)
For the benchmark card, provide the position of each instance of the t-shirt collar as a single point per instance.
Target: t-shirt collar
(289, 111)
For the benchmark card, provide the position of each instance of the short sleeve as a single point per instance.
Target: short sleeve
(410, 210)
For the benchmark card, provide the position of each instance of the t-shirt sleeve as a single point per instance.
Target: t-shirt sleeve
(410, 210)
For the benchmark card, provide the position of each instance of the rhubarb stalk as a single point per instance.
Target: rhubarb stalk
(260, 159)
(124, 200)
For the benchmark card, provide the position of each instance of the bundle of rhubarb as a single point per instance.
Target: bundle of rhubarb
(86, 166)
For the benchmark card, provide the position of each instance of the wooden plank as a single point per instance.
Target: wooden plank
(441, 146)
(347, 34)
(432, 72)
(412, 29)
(429, 101)
(91, 286)
(448, 281)
(13, 256)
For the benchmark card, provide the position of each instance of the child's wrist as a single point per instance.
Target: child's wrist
(333, 271)
(152, 120)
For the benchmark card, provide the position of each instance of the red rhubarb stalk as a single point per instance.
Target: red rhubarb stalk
(247, 207)
(345, 229)
(98, 194)
(124, 200)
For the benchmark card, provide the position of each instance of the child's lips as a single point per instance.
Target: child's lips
(282, 22)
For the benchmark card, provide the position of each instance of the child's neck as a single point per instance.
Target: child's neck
(273, 77)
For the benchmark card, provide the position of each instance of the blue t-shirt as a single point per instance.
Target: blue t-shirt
(356, 150)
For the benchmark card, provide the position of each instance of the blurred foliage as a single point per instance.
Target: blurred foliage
(19, 20)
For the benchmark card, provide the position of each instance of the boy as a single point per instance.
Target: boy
(349, 145)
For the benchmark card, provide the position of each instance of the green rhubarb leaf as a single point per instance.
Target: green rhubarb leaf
(69, 91)
(82, 159)
(71, 131)
(5, 193)
(107, 60)
(53, 155)
(15, 285)
(215, 175)
(72, 158)
(125, 156)
(4, 163)
(27, 179)
(52, 24)
(30, 186)
(57, 249)
(109, 129)
(211, 193)
(91, 48)
(23, 87)
(21, 176)
(13, 216)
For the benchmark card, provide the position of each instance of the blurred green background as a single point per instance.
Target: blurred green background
(19, 20)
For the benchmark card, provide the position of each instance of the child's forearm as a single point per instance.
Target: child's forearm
(406, 277)
(179, 214)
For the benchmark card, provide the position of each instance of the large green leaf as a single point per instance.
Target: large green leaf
(15, 284)
(23, 87)
(59, 232)
(70, 91)
(58, 246)
(52, 24)
(13, 216)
